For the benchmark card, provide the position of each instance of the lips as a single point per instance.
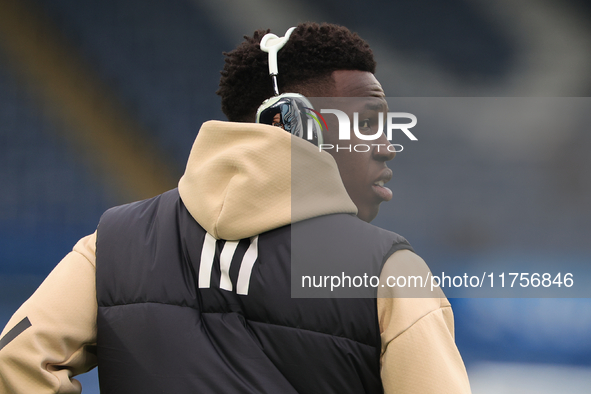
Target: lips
(378, 186)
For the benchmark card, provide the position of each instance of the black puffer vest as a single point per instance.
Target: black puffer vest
(180, 312)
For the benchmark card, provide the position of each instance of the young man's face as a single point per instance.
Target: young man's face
(363, 173)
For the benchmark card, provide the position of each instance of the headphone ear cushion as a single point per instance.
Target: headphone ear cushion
(290, 111)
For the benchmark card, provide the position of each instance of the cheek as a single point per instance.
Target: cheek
(354, 168)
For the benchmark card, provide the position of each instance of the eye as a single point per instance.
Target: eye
(365, 124)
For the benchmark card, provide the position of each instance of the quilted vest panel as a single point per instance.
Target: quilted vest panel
(181, 312)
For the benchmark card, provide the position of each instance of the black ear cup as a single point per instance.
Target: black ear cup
(293, 113)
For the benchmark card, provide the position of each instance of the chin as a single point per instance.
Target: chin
(368, 214)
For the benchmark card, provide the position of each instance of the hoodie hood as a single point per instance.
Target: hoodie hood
(243, 179)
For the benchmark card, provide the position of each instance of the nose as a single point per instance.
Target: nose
(383, 150)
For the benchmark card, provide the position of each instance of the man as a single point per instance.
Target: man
(190, 291)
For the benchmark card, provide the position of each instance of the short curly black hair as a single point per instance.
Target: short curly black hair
(312, 53)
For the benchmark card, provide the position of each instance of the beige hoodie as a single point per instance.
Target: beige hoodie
(241, 180)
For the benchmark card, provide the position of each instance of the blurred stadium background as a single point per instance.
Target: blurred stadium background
(100, 102)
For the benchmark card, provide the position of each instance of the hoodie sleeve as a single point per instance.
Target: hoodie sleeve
(419, 354)
(52, 336)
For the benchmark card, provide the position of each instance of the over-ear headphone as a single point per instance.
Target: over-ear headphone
(290, 111)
